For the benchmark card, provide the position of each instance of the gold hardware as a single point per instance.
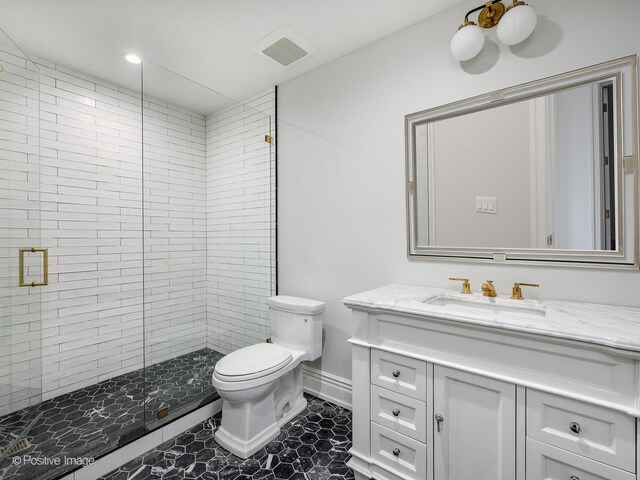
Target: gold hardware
(466, 23)
(515, 3)
(488, 290)
(517, 291)
(45, 267)
(491, 14)
(163, 411)
(268, 138)
(466, 285)
(269, 340)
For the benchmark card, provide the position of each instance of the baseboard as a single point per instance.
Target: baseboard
(327, 386)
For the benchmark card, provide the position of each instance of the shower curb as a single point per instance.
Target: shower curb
(128, 452)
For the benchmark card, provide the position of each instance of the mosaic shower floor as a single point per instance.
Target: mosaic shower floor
(97, 419)
(313, 446)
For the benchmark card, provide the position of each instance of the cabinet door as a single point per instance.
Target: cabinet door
(477, 437)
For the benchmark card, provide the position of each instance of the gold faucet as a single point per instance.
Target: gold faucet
(517, 291)
(466, 285)
(488, 290)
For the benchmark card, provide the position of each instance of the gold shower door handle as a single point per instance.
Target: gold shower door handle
(45, 267)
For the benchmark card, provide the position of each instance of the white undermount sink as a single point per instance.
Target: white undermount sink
(486, 306)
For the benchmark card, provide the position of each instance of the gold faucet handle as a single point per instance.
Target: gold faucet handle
(466, 285)
(488, 289)
(517, 291)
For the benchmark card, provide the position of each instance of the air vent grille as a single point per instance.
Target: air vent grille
(285, 52)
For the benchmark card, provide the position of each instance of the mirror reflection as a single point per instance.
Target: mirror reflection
(535, 174)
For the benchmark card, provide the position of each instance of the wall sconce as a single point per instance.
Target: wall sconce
(515, 24)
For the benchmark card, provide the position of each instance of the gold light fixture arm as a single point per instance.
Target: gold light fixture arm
(45, 267)
(490, 13)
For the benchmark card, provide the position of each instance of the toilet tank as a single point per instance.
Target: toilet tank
(296, 324)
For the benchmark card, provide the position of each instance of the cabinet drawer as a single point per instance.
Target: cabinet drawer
(402, 414)
(401, 454)
(595, 432)
(399, 374)
(545, 462)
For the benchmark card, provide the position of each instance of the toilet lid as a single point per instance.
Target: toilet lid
(253, 362)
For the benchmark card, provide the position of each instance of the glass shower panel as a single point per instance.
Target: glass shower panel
(22, 261)
(208, 194)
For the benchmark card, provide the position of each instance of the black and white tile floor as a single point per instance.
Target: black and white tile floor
(313, 446)
(99, 418)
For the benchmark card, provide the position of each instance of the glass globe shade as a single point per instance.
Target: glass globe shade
(467, 42)
(517, 25)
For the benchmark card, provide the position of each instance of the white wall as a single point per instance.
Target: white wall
(499, 169)
(341, 157)
(240, 223)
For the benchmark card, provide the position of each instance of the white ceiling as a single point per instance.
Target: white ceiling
(208, 41)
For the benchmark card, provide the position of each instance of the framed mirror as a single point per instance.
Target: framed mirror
(544, 172)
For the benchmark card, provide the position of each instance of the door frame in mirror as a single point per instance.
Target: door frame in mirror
(624, 74)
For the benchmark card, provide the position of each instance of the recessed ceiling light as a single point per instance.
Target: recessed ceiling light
(133, 58)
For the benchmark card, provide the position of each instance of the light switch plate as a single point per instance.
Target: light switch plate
(487, 205)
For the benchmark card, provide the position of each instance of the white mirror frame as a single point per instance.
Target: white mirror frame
(623, 73)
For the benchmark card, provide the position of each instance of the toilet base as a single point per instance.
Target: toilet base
(247, 426)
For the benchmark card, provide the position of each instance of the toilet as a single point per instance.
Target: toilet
(261, 385)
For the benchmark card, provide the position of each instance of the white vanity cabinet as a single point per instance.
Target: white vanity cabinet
(477, 426)
(441, 396)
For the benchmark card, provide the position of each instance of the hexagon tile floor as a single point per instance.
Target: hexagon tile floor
(313, 446)
(99, 418)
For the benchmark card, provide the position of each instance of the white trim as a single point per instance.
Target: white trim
(128, 452)
(327, 386)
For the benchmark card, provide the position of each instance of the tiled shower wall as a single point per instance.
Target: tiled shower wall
(20, 379)
(175, 247)
(91, 203)
(91, 183)
(240, 223)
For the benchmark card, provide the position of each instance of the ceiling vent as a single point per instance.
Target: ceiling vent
(284, 47)
(285, 52)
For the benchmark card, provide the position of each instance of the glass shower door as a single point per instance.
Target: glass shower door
(208, 228)
(23, 267)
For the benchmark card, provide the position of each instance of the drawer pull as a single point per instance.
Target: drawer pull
(439, 420)
(575, 428)
(396, 373)
(396, 412)
(573, 477)
(396, 452)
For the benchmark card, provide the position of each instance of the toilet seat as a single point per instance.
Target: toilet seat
(252, 362)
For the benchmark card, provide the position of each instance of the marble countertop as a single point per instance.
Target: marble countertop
(608, 325)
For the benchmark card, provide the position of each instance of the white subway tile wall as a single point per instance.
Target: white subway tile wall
(175, 216)
(91, 203)
(20, 379)
(209, 202)
(240, 223)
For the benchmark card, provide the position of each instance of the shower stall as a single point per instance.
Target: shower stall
(137, 247)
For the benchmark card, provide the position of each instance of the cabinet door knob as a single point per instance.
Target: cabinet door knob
(396, 452)
(575, 428)
(396, 412)
(439, 420)
(396, 373)
(573, 477)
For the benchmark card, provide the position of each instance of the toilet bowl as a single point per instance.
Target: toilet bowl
(261, 385)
